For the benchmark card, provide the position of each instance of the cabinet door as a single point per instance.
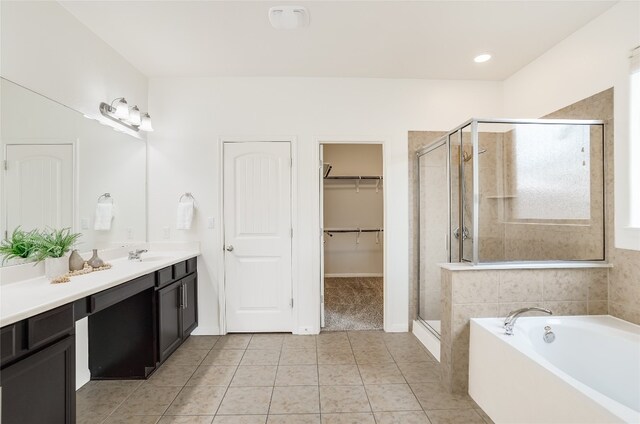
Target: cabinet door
(41, 388)
(190, 304)
(170, 319)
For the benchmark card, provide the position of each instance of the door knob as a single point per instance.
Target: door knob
(229, 248)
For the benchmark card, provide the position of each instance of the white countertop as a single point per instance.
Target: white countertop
(24, 299)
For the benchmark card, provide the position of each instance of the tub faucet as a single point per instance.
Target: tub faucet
(134, 255)
(511, 319)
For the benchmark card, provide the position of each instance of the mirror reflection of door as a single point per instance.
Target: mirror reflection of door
(38, 186)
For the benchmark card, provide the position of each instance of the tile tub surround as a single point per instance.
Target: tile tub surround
(494, 293)
(378, 377)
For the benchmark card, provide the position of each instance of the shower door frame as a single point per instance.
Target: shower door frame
(442, 141)
(473, 123)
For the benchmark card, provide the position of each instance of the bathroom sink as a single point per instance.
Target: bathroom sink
(152, 258)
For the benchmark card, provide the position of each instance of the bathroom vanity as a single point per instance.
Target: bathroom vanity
(138, 313)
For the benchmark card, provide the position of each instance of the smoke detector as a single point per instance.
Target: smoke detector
(289, 17)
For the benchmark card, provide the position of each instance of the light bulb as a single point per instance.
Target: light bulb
(482, 58)
(134, 116)
(145, 124)
(122, 109)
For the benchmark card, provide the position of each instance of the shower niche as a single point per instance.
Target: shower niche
(496, 191)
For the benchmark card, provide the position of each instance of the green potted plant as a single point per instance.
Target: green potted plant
(21, 245)
(51, 247)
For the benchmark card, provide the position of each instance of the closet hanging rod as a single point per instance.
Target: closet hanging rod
(345, 177)
(354, 230)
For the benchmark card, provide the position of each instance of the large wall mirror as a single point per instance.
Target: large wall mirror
(60, 165)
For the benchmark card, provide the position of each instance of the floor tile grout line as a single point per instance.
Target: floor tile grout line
(232, 377)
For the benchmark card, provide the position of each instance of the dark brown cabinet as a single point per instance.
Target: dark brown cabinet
(133, 327)
(177, 314)
(41, 387)
(170, 319)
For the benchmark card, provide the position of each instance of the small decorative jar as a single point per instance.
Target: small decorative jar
(95, 261)
(76, 263)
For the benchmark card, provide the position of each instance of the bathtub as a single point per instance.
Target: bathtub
(590, 373)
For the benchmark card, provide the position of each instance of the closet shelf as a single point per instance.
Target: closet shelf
(357, 180)
(353, 230)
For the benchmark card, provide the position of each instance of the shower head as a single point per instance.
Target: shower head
(468, 156)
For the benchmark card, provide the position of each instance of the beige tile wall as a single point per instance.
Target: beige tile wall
(467, 294)
(478, 294)
(475, 294)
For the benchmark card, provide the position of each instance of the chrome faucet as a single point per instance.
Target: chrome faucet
(134, 255)
(511, 319)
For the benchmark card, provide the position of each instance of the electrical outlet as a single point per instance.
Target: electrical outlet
(166, 232)
(84, 223)
(211, 222)
(129, 233)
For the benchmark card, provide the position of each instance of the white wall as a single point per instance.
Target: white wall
(593, 59)
(46, 49)
(191, 115)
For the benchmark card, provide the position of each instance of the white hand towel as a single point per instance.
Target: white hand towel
(104, 215)
(185, 215)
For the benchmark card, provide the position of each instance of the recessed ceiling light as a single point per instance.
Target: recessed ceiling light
(482, 58)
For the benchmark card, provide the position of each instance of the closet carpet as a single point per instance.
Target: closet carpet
(354, 303)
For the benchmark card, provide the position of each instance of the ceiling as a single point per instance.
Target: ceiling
(387, 39)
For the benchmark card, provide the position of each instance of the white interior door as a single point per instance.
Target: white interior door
(257, 234)
(39, 186)
(321, 189)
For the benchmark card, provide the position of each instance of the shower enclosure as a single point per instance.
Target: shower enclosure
(509, 191)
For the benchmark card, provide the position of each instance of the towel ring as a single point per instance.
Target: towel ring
(188, 196)
(106, 196)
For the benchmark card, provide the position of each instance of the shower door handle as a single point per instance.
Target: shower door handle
(465, 233)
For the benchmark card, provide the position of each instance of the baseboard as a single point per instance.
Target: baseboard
(206, 331)
(83, 376)
(396, 328)
(427, 338)
(354, 274)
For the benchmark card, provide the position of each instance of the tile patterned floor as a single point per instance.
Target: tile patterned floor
(359, 377)
(353, 303)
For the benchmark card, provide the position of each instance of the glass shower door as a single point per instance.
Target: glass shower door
(434, 230)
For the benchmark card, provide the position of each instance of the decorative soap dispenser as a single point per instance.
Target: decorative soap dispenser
(76, 263)
(95, 261)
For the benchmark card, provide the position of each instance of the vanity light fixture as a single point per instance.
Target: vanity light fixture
(485, 57)
(122, 114)
(134, 116)
(145, 124)
(121, 108)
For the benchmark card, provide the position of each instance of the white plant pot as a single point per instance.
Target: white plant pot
(56, 267)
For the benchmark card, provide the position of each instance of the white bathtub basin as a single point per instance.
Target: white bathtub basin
(589, 374)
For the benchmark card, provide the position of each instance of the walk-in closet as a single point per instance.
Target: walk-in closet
(353, 236)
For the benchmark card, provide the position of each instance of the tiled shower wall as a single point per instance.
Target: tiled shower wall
(467, 294)
(478, 294)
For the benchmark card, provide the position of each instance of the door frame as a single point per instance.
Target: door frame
(293, 149)
(319, 140)
(75, 175)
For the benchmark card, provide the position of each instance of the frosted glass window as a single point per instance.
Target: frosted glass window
(551, 178)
